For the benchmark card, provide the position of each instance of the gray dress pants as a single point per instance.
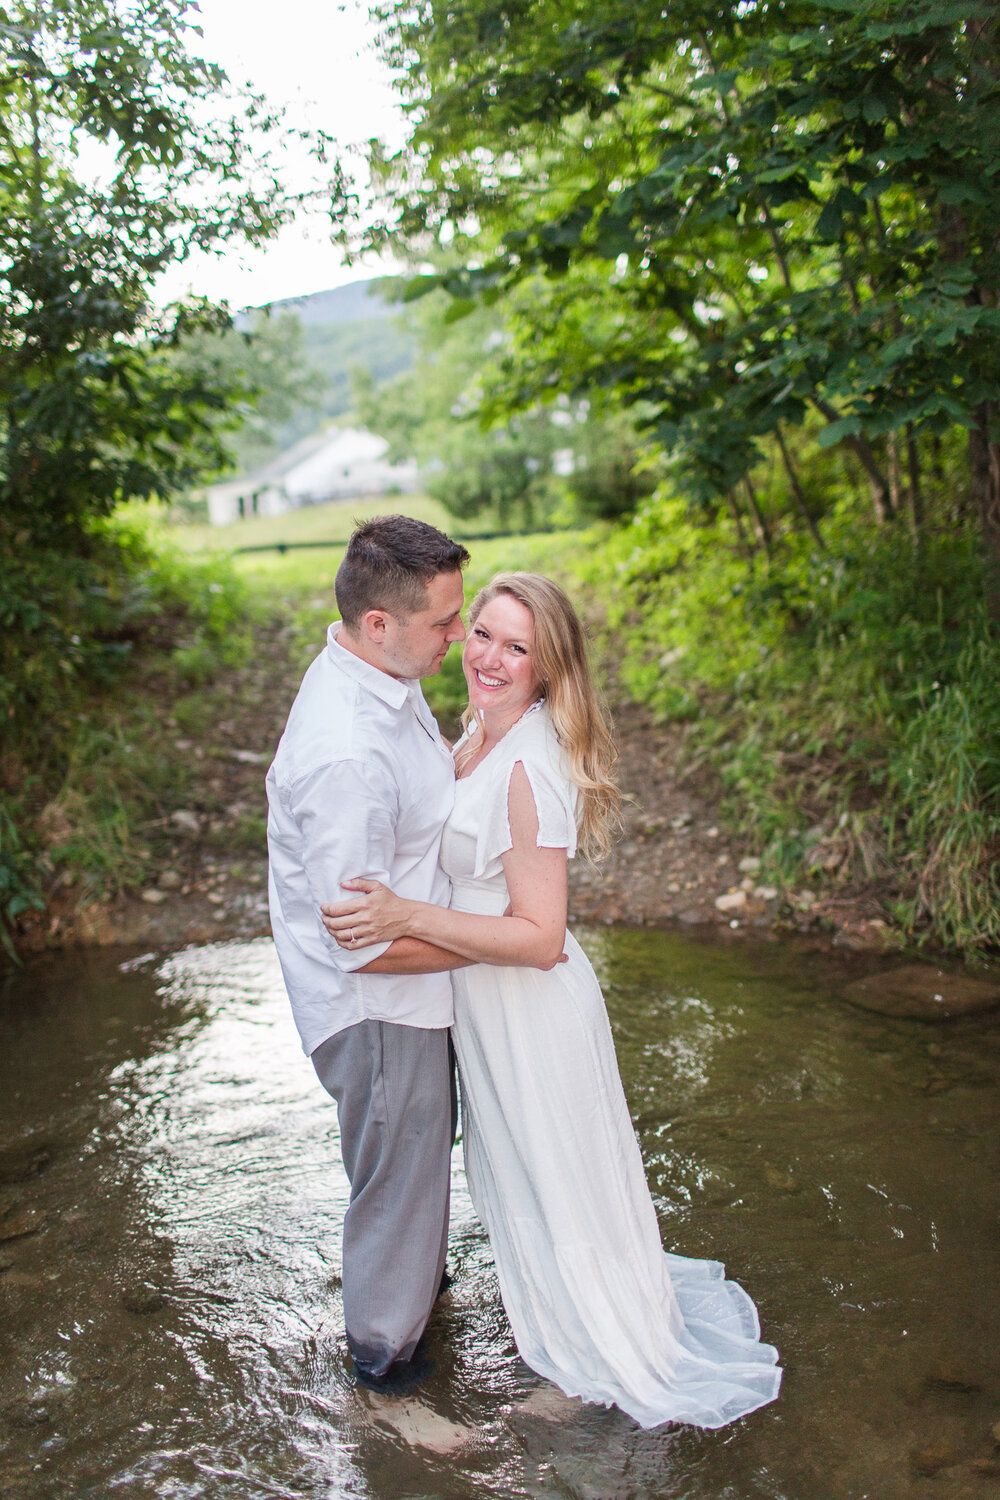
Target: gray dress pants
(395, 1092)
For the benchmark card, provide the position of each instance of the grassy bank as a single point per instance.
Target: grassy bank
(848, 700)
(134, 674)
(845, 702)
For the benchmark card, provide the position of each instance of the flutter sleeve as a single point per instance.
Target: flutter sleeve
(556, 801)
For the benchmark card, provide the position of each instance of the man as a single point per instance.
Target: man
(362, 783)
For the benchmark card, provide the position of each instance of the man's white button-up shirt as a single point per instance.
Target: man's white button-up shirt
(361, 784)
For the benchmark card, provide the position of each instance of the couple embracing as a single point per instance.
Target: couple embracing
(418, 902)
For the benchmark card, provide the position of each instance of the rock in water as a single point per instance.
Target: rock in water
(935, 1457)
(922, 993)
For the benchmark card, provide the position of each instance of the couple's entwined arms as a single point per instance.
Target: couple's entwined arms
(532, 933)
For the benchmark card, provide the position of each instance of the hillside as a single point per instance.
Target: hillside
(347, 328)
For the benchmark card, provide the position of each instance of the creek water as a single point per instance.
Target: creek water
(172, 1193)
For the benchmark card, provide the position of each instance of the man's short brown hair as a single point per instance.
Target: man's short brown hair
(388, 564)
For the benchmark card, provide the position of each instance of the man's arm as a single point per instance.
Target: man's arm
(362, 836)
(408, 955)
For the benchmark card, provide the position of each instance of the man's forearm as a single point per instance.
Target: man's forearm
(408, 955)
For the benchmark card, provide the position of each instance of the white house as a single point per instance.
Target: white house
(338, 464)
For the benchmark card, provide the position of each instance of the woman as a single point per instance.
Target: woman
(553, 1164)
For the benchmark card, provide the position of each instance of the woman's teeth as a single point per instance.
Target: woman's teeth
(489, 681)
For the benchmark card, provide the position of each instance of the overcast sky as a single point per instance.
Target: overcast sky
(317, 59)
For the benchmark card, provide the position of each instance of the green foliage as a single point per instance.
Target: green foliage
(849, 695)
(122, 151)
(276, 392)
(738, 216)
(82, 764)
(546, 462)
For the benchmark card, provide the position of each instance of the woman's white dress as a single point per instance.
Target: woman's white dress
(552, 1161)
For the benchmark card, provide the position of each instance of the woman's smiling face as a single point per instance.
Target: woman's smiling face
(499, 660)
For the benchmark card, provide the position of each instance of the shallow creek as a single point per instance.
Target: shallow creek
(171, 1197)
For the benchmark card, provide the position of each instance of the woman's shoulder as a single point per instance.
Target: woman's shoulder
(535, 735)
(536, 745)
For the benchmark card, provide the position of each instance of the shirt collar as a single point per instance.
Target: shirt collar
(392, 690)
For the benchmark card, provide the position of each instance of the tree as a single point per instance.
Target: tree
(484, 455)
(121, 152)
(263, 360)
(778, 214)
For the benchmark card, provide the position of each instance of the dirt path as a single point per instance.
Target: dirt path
(675, 865)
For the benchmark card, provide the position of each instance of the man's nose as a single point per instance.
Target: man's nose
(457, 632)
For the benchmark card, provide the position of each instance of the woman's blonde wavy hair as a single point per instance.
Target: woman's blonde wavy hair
(578, 717)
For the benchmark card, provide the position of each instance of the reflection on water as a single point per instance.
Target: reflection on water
(170, 1202)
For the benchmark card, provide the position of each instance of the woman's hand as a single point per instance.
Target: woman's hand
(374, 914)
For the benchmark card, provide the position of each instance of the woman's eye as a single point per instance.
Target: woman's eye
(482, 634)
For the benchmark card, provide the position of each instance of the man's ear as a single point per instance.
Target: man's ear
(374, 624)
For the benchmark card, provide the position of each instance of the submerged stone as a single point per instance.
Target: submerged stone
(922, 993)
(19, 1224)
(935, 1457)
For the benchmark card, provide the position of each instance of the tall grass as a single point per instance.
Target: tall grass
(93, 645)
(847, 699)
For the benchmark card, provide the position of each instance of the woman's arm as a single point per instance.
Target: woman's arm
(531, 935)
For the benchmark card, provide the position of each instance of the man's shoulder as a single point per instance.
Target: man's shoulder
(334, 722)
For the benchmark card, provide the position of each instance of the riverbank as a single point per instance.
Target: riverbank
(203, 875)
(772, 782)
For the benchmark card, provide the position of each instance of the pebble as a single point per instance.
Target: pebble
(766, 892)
(169, 880)
(731, 901)
(867, 936)
(18, 1163)
(185, 820)
(27, 1414)
(749, 865)
(142, 1300)
(951, 1378)
(153, 895)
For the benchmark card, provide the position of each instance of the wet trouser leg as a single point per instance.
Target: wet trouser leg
(394, 1091)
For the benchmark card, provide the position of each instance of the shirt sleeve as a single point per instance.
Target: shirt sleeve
(555, 799)
(346, 813)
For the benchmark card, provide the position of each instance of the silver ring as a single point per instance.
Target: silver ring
(352, 935)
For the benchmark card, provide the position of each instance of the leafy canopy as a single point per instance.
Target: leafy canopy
(122, 151)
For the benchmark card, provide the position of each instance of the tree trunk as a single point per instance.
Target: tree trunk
(984, 488)
(864, 453)
(895, 479)
(793, 480)
(759, 524)
(916, 495)
(746, 546)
